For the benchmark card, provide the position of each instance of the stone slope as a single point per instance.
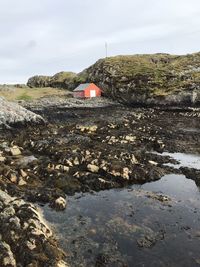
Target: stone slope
(12, 113)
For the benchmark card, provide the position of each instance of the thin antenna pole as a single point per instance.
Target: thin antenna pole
(106, 47)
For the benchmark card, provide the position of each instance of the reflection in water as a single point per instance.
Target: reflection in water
(132, 227)
(186, 160)
(175, 186)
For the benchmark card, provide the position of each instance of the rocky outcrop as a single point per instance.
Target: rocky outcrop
(39, 81)
(59, 80)
(11, 113)
(148, 79)
(62, 80)
(25, 239)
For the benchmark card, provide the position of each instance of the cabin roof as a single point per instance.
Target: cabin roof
(81, 87)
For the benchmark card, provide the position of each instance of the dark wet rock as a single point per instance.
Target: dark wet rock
(77, 155)
(23, 162)
(149, 240)
(158, 146)
(104, 259)
(159, 197)
(155, 173)
(191, 173)
(43, 195)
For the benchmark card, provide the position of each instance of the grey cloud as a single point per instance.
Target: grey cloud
(47, 36)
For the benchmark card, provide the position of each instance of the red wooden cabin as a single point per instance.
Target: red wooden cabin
(87, 90)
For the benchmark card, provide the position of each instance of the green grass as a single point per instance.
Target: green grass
(24, 97)
(28, 94)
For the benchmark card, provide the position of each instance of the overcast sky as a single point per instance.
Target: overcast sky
(48, 36)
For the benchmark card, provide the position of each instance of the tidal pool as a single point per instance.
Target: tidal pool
(136, 226)
(185, 160)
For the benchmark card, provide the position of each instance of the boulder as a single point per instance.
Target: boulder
(59, 203)
(39, 81)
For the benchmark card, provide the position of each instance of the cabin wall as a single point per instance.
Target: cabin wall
(79, 94)
(92, 86)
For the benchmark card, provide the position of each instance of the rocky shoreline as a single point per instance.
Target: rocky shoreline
(80, 149)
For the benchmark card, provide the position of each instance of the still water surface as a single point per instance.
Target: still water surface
(135, 226)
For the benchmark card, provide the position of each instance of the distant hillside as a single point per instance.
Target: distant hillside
(145, 79)
(59, 80)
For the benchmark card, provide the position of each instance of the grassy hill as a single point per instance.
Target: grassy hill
(141, 79)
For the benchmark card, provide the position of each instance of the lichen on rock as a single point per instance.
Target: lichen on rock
(25, 238)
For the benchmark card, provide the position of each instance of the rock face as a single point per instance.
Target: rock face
(11, 113)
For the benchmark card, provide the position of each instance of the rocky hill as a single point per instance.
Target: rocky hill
(148, 79)
(145, 79)
(59, 80)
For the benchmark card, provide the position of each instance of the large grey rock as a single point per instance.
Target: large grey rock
(39, 81)
(62, 79)
(12, 113)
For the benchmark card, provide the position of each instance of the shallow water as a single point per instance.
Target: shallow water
(175, 186)
(132, 226)
(185, 160)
